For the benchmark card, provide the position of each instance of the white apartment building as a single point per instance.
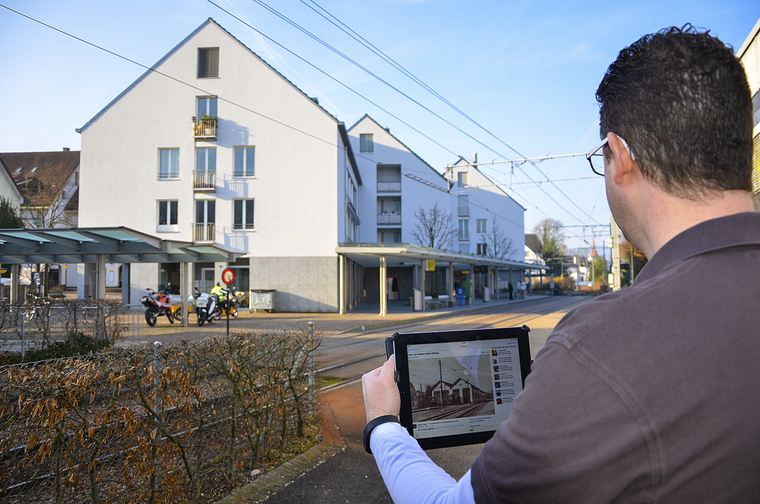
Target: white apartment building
(214, 146)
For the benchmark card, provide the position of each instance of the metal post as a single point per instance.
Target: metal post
(23, 328)
(311, 367)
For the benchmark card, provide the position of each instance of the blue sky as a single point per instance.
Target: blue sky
(525, 71)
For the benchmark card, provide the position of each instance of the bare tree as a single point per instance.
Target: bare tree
(497, 244)
(434, 228)
(47, 193)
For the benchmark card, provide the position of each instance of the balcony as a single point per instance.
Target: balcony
(203, 232)
(385, 187)
(388, 218)
(205, 127)
(204, 180)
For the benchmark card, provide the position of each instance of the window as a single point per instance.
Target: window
(243, 214)
(208, 62)
(464, 247)
(167, 216)
(205, 217)
(463, 178)
(464, 206)
(389, 236)
(207, 106)
(205, 160)
(482, 226)
(482, 249)
(168, 164)
(244, 161)
(464, 229)
(366, 143)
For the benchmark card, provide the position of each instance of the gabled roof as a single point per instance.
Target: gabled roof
(533, 243)
(12, 183)
(155, 67)
(387, 130)
(350, 152)
(29, 169)
(496, 184)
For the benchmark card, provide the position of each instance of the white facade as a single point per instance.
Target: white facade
(292, 186)
(481, 205)
(396, 184)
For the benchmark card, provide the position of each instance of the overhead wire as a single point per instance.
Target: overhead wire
(293, 23)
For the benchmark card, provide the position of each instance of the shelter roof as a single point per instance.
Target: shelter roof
(405, 254)
(83, 245)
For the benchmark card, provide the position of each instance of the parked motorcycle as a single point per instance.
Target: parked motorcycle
(158, 304)
(207, 308)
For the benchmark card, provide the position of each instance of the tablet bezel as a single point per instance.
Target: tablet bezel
(400, 343)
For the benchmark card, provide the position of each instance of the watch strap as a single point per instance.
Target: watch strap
(371, 426)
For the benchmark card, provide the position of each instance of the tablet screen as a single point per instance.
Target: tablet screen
(457, 387)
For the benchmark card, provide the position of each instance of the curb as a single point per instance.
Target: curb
(277, 479)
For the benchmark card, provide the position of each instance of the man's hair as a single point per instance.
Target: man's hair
(681, 100)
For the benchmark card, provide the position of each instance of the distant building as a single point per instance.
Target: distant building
(47, 184)
(749, 53)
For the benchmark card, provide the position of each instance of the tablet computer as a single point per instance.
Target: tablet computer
(457, 387)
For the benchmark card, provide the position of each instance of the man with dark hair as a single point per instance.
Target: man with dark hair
(648, 394)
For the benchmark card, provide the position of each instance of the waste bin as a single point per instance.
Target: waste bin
(261, 299)
(460, 296)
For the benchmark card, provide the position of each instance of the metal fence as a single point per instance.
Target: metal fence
(31, 326)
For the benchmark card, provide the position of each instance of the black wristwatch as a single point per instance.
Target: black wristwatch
(371, 426)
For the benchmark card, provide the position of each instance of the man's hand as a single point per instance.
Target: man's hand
(381, 395)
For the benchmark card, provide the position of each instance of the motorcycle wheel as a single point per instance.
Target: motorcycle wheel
(201, 317)
(151, 315)
(178, 315)
(169, 316)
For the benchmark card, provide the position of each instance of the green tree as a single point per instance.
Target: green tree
(9, 216)
(552, 239)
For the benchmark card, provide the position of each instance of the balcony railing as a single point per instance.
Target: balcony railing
(205, 127)
(389, 218)
(389, 187)
(204, 180)
(203, 232)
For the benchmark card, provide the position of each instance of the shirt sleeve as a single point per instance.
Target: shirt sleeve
(409, 474)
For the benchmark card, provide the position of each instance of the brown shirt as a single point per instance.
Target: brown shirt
(648, 394)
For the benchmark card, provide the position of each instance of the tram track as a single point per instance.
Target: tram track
(350, 366)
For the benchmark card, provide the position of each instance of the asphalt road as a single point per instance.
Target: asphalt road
(351, 476)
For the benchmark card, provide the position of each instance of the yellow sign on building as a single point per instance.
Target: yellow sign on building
(430, 265)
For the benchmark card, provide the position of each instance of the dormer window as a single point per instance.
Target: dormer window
(18, 170)
(208, 62)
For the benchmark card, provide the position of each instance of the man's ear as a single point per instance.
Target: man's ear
(624, 164)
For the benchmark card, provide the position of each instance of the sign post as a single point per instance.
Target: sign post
(228, 276)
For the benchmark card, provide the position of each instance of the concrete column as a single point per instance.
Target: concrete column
(14, 283)
(342, 284)
(100, 277)
(126, 290)
(496, 283)
(184, 291)
(423, 267)
(452, 292)
(383, 287)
